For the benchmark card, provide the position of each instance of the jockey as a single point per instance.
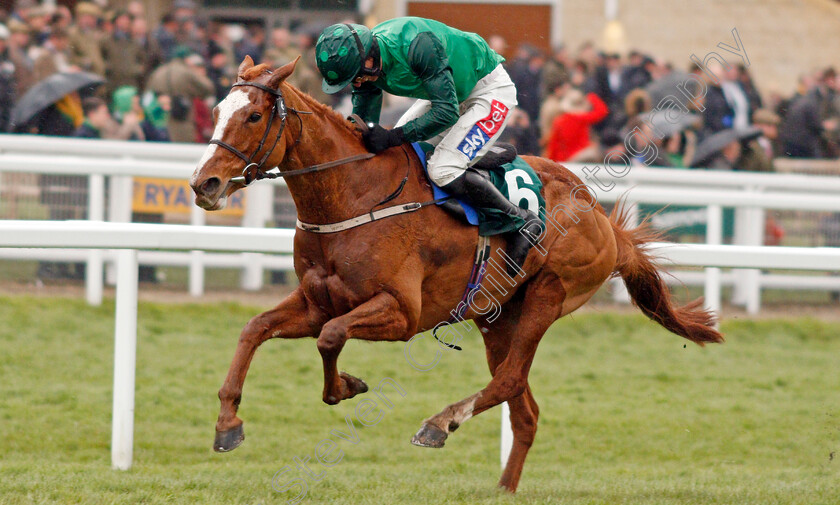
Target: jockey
(464, 97)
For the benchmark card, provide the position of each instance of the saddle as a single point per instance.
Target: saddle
(498, 154)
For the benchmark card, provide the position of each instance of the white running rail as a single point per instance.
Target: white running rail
(129, 237)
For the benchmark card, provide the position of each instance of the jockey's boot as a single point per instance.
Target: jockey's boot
(480, 192)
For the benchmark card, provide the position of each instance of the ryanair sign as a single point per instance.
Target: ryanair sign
(160, 196)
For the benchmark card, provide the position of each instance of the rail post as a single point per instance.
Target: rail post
(125, 360)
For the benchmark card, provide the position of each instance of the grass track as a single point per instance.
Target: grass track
(629, 415)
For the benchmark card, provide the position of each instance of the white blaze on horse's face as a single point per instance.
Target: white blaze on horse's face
(228, 107)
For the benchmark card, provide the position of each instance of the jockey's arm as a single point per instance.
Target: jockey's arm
(428, 60)
(367, 102)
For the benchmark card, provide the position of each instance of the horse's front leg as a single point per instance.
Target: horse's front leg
(379, 318)
(292, 318)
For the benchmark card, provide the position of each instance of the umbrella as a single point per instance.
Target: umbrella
(50, 90)
(659, 121)
(668, 85)
(713, 144)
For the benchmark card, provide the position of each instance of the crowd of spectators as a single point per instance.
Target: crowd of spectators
(161, 82)
(582, 106)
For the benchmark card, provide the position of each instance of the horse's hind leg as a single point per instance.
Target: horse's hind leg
(290, 319)
(524, 411)
(524, 414)
(541, 306)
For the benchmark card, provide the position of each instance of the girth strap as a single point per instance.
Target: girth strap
(374, 215)
(482, 254)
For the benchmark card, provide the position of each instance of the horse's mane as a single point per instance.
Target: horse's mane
(324, 110)
(312, 104)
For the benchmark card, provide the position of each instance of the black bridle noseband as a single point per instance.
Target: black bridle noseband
(254, 169)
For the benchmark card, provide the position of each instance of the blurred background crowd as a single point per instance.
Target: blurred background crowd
(145, 71)
(159, 82)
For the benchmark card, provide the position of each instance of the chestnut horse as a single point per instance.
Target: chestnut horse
(392, 278)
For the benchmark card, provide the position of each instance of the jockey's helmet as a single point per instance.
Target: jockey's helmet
(340, 52)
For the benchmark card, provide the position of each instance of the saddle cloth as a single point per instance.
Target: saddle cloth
(515, 179)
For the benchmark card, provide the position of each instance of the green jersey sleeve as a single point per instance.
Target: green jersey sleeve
(367, 102)
(428, 60)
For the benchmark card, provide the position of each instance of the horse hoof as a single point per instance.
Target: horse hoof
(350, 387)
(429, 436)
(355, 385)
(229, 440)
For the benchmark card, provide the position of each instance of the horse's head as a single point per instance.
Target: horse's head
(249, 136)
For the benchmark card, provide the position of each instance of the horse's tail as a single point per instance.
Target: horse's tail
(649, 292)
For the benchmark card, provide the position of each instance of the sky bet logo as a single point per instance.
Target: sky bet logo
(485, 128)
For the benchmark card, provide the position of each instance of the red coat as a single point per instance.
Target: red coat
(570, 130)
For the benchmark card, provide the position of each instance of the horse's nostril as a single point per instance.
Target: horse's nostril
(210, 186)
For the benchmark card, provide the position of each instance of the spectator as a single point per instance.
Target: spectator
(99, 124)
(525, 72)
(54, 56)
(126, 107)
(251, 44)
(636, 74)
(7, 80)
(745, 79)
(637, 102)
(219, 71)
(803, 127)
(38, 19)
(203, 117)
(97, 118)
(156, 112)
(86, 38)
(555, 72)
(178, 81)
(521, 133)
(718, 114)
(498, 44)
(570, 139)
(768, 122)
(19, 46)
(124, 56)
(736, 97)
(164, 36)
(136, 10)
(152, 53)
(280, 49)
(550, 109)
(610, 84)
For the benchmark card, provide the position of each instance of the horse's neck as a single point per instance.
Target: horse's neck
(341, 192)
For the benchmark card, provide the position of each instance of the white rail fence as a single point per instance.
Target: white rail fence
(129, 237)
(751, 194)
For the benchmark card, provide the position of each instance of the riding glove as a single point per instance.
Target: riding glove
(378, 139)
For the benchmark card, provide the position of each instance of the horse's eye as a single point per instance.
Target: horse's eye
(253, 118)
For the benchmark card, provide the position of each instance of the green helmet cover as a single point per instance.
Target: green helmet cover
(338, 56)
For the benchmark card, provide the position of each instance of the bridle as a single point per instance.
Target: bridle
(253, 170)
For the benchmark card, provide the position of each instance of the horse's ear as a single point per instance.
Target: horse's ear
(280, 74)
(246, 64)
